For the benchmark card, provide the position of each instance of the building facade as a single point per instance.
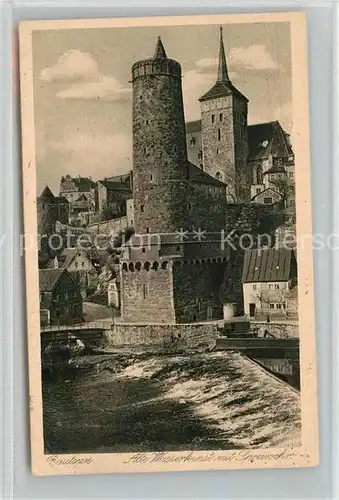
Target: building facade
(60, 298)
(269, 277)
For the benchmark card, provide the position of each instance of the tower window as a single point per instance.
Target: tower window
(144, 291)
(218, 151)
(142, 208)
(218, 176)
(146, 121)
(219, 134)
(147, 230)
(213, 118)
(145, 149)
(151, 177)
(140, 98)
(220, 117)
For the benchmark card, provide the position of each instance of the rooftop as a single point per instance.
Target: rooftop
(268, 264)
(48, 278)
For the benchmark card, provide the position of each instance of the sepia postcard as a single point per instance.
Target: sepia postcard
(168, 243)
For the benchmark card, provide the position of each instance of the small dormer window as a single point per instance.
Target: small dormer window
(192, 141)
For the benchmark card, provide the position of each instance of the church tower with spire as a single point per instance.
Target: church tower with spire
(224, 133)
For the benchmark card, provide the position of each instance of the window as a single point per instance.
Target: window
(145, 149)
(147, 230)
(144, 250)
(57, 297)
(142, 208)
(254, 287)
(189, 206)
(151, 176)
(66, 295)
(192, 141)
(284, 305)
(220, 117)
(83, 264)
(219, 134)
(290, 174)
(146, 121)
(279, 306)
(268, 200)
(218, 176)
(276, 286)
(270, 286)
(144, 291)
(258, 190)
(271, 306)
(140, 98)
(178, 249)
(200, 155)
(218, 151)
(76, 263)
(213, 118)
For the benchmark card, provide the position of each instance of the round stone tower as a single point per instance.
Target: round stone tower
(160, 166)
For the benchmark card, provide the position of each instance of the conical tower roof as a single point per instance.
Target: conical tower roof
(160, 52)
(47, 194)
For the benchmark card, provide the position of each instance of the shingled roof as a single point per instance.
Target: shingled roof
(268, 264)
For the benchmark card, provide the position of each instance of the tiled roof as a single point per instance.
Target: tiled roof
(268, 264)
(48, 278)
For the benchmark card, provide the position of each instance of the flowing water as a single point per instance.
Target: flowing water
(164, 403)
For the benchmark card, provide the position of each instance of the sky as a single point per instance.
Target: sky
(83, 92)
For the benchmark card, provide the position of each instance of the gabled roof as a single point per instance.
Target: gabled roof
(196, 174)
(267, 264)
(48, 278)
(266, 191)
(261, 140)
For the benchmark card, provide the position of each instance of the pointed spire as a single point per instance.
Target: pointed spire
(222, 68)
(160, 52)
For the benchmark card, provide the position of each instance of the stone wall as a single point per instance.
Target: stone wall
(196, 289)
(282, 330)
(108, 227)
(147, 294)
(172, 336)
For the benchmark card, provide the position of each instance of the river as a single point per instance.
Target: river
(136, 403)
